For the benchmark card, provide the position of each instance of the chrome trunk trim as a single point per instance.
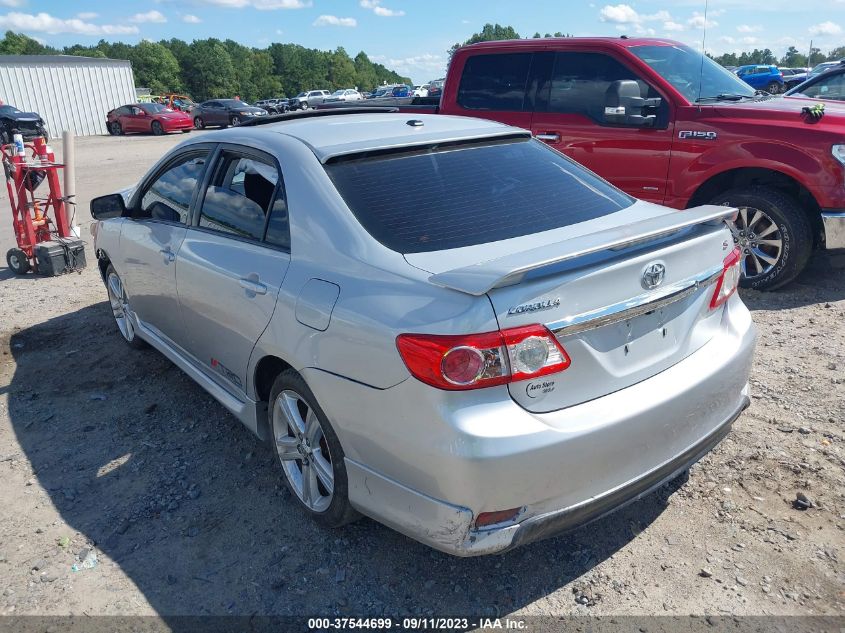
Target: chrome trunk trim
(637, 306)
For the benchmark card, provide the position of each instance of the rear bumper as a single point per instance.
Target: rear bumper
(833, 221)
(427, 462)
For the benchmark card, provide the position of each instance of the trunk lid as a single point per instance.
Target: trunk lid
(594, 295)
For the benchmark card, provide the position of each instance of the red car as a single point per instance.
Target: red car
(147, 117)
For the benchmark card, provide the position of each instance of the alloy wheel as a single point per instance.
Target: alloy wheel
(120, 307)
(303, 450)
(759, 239)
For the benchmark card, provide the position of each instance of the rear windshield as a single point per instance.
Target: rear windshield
(450, 197)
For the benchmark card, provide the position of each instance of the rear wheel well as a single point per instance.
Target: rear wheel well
(266, 372)
(750, 176)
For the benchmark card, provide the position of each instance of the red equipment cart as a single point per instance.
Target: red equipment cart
(45, 242)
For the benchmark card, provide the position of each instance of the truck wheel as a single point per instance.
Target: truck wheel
(309, 451)
(303, 105)
(773, 88)
(18, 261)
(773, 232)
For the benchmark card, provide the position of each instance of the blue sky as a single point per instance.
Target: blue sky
(412, 36)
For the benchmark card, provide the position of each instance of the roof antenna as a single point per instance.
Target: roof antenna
(703, 53)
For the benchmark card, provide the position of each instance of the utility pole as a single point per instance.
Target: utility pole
(810, 56)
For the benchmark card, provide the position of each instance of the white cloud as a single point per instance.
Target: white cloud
(149, 16)
(619, 14)
(87, 15)
(191, 19)
(261, 5)
(669, 25)
(748, 28)
(750, 40)
(825, 28)
(333, 20)
(727, 39)
(375, 6)
(46, 23)
(697, 21)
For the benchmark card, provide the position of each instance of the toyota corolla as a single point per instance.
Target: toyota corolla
(510, 348)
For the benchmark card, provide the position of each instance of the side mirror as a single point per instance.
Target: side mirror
(624, 105)
(107, 207)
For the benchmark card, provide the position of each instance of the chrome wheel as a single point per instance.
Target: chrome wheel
(120, 307)
(760, 240)
(303, 450)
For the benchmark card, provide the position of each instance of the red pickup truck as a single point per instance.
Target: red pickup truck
(668, 125)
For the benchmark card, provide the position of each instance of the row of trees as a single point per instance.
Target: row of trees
(212, 68)
(792, 59)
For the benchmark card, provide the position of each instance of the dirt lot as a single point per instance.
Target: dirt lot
(115, 454)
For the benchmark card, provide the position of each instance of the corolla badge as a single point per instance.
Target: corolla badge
(545, 304)
(653, 275)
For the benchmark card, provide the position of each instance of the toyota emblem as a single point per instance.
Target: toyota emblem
(653, 275)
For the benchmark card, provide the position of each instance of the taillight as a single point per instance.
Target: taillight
(471, 361)
(729, 279)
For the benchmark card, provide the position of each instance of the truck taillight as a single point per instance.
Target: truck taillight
(728, 281)
(472, 361)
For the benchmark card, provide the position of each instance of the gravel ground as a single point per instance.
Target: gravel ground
(128, 490)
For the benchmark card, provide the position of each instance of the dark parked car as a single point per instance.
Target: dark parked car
(828, 86)
(13, 121)
(224, 112)
(147, 118)
(762, 77)
(435, 88)
(793, 77)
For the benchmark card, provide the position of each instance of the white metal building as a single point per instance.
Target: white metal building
(69, 92)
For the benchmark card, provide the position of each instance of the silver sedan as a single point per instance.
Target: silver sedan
(438, 322)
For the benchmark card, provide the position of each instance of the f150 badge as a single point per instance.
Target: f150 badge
(545, 304)
(706, 136)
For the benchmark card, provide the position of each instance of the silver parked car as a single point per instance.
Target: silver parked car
(509, 348)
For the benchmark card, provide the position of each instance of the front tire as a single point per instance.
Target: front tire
(121, 310)
(156, 128)
(18, 261)
(309, 451)
(773, 233)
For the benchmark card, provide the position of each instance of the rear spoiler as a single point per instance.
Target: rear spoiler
(480, 278)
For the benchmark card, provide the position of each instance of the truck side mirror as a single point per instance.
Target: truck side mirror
(624, 105)
(107, 207)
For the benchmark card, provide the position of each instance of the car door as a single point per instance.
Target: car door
(233, 261)
(213, 113)
(129, 121)
(570, 116)
(150, 241)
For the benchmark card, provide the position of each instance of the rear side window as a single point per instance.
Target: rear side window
(495, 82)
(239, 197)
(436, 199)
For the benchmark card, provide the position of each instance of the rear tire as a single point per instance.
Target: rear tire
(116, 129)
(773, 88)
(18, 261)
(770, 217)
(199, 124)
(292, 404)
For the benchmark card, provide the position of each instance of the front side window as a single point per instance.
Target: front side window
(239, 196)
(580, 82)
(828, 88)
(469, 194)
(495, 82)
(169, 196)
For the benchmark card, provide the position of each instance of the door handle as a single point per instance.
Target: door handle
(168, 254)
(554, 138)
(253, 286)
